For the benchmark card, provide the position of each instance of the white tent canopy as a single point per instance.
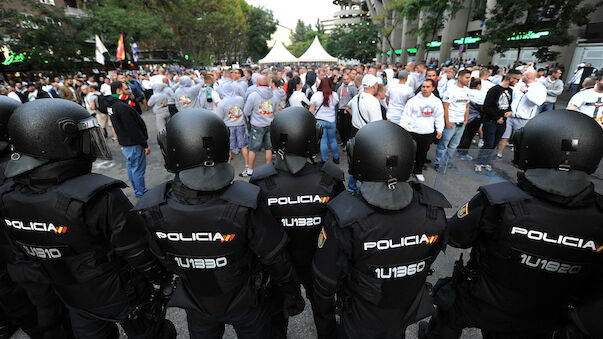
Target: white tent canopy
(278, 53)
(316, 53)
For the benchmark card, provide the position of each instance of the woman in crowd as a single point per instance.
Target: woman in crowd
(295, 97)
(323, 104)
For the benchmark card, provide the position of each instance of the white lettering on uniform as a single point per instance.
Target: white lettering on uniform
(201, 263)
(559, 240)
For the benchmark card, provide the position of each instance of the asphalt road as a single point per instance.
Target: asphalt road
(458, 184)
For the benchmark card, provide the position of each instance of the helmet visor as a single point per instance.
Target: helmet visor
(93, 141)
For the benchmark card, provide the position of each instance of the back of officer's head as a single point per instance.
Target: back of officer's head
(7, 107)
(195, 144)
(48, 130)
(294, 130)
(381, 151)
(560, 139)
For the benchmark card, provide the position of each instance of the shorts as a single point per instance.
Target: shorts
(238, 137)
(260, 139)
(103, 120)
(513, 124)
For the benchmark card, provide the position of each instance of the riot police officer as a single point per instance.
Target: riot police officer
(20, 279)
(298, 191)
(536, 246)
(215, 234)
(75, 224)
(379, 245)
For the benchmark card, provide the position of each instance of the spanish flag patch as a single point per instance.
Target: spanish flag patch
(463, 211)
(322, 238)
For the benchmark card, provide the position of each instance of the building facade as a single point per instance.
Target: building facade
(350, 12)
(402, 47)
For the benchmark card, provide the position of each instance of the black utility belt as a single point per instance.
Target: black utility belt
(458, 124)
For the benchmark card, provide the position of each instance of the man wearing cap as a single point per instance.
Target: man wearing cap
(34, 91)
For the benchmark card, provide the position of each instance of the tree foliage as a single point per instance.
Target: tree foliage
(261, 26)
(554, 16)
(303, 36)
(47, 40)
(355, 42)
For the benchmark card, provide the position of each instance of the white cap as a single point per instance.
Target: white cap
(581, 64)
(369, 80)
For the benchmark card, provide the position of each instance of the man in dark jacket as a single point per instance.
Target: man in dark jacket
(137, 91)
(131, 134)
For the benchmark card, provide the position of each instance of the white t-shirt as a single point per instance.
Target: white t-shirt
(524, 105)
(486, 85)
(458, 98)
(326, 113)
(589, 102)
(365, 108)
(296, 99)
(14, 96)
(421, 114)
(89, 99)
(105, 89)
(398, 96)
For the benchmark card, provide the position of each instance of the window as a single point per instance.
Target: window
(47, 2)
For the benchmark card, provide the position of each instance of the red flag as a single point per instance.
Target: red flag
(121, 49)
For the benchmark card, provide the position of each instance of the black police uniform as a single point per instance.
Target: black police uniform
(299, 203)
(212, 240)
(537, 245)
(76, 226)
(382, 258)
(526, 264)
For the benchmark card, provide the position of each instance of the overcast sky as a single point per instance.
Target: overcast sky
(288, 11)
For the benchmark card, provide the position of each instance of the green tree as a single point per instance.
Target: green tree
(356, 42)
(299, 34)
(47, 40)
(553, 16)
(261, 25)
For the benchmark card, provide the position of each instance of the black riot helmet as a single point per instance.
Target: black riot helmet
(7, 107)
(559, 139)
(381, 151)
(49, 130)
(294, 130)
(195, 144)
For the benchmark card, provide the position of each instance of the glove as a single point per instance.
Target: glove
(293, 304)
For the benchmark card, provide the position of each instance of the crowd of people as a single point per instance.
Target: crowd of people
(448, 105)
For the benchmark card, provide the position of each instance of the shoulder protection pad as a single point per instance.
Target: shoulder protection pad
(153, 197)
(262, 172)
(84, 187)
(348, 208)
(332, 170)
(503, 192)
(429, 196)
(242, 193)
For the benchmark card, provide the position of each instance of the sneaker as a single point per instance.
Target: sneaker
(244, 174)
(236, 151)
(480, 144)
(466, 157)
(420, 177)
(488, 167)
(478, 168)
(499, 156)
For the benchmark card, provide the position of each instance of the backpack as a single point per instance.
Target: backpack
(102, 104)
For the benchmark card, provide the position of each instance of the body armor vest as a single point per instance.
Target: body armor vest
(542, 252)
(299, 203)
(205, 244)
(391, 254)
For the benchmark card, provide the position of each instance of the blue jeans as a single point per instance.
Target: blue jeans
(451, 137)
(328, 140)
(547, 106)
(493, 132)
(353, 185)
(574, 88)
(136, 163)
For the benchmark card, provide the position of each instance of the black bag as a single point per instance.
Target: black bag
(102, 104)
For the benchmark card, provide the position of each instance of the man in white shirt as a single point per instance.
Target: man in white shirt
(421, 113)
(456, 114)
(397, 96)
(575, 80)
(365, 107)
(528, 94)
(449, 81)
(590, 101)
(105, 88)
(484, 74)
